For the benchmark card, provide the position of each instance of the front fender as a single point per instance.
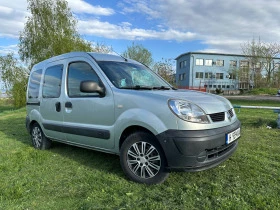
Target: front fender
(139, 117)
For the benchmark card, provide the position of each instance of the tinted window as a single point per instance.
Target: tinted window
(34, 84)
(52, 82)
(78, 72)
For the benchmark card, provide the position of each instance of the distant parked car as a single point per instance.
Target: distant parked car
(278, 93)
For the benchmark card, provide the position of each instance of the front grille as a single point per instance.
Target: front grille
(218, 117)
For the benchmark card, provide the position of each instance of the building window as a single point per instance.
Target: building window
(199, 75)
(276, 66)
(182, 77)
(232, 75)
(208, 62)
(208, 75)
(199, 62)
(266, 65)
(220, 63)
(232, 63)
(219, 75)
(244, 64)
(181, 64)
(258, 65)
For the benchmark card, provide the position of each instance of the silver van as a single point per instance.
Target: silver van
(117, 105)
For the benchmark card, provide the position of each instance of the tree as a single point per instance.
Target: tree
(165, 70)
(49, 31)
(14, 77)
(101, 48)
(139, 53)
(261, 57)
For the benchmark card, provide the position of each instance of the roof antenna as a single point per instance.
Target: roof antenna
(125, 59)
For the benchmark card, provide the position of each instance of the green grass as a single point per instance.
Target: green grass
(6, 104)
(263, 91)
(67, 177)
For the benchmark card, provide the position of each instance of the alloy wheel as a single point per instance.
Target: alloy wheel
(143, 160)
(37, 136)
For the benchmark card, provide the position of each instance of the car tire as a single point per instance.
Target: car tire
(142, 159)
(38, 138)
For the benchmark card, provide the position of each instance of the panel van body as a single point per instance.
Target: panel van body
(117, 105)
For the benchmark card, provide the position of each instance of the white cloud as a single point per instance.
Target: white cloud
(4, 50)
(126, 24)
(221, 24)
(5, 10)
(125, 31)
(19, 5)
(13, 13)
(136, 6)
(81, 7)
(12, 19)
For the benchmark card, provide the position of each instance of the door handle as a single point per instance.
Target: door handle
(57, 106)
(68, 105)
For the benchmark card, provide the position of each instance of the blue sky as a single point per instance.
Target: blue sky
(167, 28)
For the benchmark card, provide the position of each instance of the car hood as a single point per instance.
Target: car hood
(210, 103)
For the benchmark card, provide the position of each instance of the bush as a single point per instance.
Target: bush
(263, 91)
(14, 77)
(19, 94)
(219, 91)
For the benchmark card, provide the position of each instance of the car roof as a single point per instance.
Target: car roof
(94, 55)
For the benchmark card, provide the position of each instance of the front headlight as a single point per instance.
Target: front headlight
(188, 111)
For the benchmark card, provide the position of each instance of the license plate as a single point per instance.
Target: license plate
(230, 137)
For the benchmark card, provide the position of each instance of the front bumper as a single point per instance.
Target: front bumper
(190, 150)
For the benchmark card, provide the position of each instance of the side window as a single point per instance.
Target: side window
(34, 84)
(52, 82)
(78, 72)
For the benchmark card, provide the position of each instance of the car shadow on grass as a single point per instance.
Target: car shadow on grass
(14, 129)
(93, 159)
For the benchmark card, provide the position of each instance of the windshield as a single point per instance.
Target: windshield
(132, 76)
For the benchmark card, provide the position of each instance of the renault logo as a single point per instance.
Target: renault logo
(228, 116)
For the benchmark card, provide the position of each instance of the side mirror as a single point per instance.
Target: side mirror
(92, 87)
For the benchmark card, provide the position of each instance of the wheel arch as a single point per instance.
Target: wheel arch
(33, 122)
(135, 128)
(129, 130)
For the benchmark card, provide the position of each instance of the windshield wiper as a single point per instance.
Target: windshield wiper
(161, 88)
(137, 87)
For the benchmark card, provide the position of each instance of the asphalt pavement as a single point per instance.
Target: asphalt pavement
(254, 97)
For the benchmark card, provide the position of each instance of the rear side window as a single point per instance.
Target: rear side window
(78, 72)
(34, 84)
(52, 82)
